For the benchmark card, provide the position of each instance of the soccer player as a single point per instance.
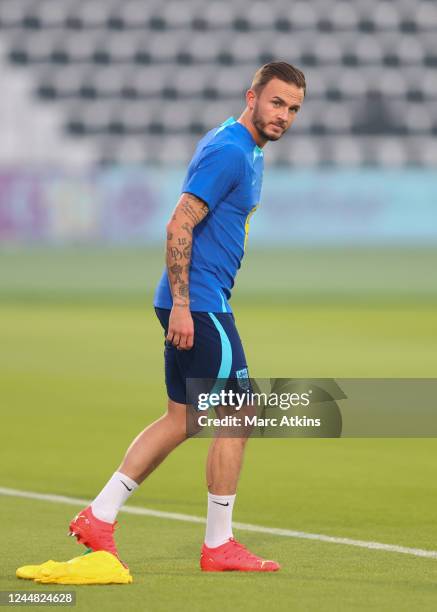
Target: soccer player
(206, 237)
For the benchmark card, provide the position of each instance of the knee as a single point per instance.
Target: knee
(177, 421)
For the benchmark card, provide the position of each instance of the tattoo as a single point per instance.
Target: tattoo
(176, 269)
(179, 247)
(187, 251)
(190, 212)
(174, 253)
(196, 213)
(187, 228)
(183, 290)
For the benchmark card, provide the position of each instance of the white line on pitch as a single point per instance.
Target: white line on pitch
(176, 516)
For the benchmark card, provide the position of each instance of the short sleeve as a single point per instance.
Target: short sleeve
(216, 173)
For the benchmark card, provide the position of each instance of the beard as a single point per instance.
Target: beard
(261, 126)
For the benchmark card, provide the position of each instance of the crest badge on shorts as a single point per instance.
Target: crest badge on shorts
(243, 379)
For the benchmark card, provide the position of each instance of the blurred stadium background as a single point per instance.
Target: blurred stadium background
(102, 104)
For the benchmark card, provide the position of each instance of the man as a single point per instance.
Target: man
(206, 237)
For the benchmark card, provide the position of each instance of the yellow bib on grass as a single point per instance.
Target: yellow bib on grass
(94, 568)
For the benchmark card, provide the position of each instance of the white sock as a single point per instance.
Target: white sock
(219, 521)
(112, 497)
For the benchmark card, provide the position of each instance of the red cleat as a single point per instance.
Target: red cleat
(94, 533)
(234, 557)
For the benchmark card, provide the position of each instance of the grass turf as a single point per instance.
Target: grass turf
(79, 381)
(163, 558)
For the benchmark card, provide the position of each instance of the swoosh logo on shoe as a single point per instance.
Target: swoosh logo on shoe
(129, 489)
(220, 504)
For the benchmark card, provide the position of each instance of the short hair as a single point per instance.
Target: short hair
(278, 70)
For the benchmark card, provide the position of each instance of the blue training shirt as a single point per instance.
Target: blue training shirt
(226, 173)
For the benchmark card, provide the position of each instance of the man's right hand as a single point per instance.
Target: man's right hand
(181, 327)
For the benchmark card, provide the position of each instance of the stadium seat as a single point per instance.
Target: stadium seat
(213, 14)
(131, 70)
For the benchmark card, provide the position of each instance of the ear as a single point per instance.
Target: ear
(250, 99)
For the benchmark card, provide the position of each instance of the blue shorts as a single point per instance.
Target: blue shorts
(217, 353)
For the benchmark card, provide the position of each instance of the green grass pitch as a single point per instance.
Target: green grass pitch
(80, 378)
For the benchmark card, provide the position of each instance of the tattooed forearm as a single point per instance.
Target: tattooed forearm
(187, 251)
(183, 290)
(176, 270)
(173, 252)
(188, 213)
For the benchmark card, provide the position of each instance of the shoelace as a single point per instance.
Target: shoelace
(243, 553)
